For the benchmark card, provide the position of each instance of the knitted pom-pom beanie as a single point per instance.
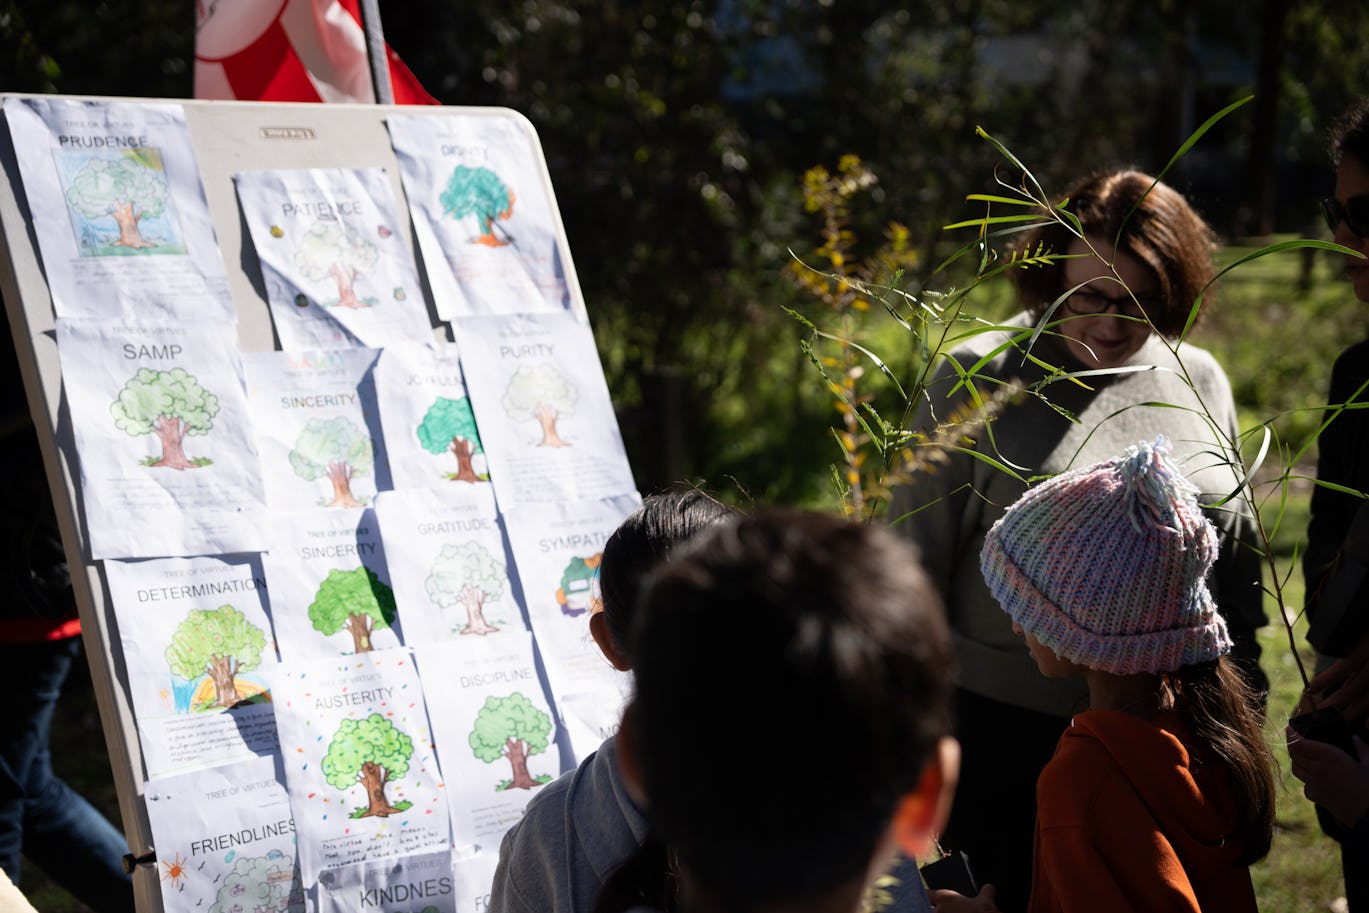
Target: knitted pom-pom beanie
(1107, 566)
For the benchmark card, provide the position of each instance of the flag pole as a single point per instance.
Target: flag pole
(375, 52)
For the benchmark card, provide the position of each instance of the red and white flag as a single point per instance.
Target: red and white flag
(291, 50)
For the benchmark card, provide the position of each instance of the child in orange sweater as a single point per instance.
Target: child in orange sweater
(1161, 794)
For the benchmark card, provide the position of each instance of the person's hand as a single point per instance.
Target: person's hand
(1331, 778)
(945, 901)
(1344, 684)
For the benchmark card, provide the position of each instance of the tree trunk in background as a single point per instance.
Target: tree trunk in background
(1256, 217)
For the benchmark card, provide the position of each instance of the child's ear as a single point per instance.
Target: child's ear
(922, 813)
(627, 756)
(598, 629)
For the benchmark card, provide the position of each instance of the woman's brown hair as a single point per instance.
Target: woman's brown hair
(1149, 220)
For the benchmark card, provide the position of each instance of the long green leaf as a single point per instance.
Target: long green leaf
(1011, 201)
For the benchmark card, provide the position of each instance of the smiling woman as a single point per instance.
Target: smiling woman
(1104, 371)
(1106, 313)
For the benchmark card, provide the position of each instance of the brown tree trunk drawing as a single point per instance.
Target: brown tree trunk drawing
(463, 450)
(487, 237)
(344, 276)
(171, 432)
(223, 670)
(516, 750)
(360, 627)
(340, 474)
(127, 219)
(474, 600)
(374, 778)
(546, 417)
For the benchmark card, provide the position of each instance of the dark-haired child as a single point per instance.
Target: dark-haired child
(1161, 794)
(581, 827)
(790, 726)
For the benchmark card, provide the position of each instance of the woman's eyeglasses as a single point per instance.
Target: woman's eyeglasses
(1091, 301)
(1354, 212)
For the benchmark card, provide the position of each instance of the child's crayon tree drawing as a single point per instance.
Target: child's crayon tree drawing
(542, 393)
(356, 601)
(336, 449)
(208, 651)
(468, 575)
(331, 252)
(478, 192)
(171, 405)
(119, 202)
(262, 884)
(372, 752)
(449, 427)
(514, 729)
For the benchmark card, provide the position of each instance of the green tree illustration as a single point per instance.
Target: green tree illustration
(331, 250)
(269, 882)
(336, 448)
(356, 601)
(511, 728)
(374, 753)
(468, 574)
(219, 643)
(543, 393)
(170, 404)
(449, 427)
(126, 189)
(477, 192)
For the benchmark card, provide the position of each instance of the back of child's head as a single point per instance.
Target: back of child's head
(793, 682)
(1107, 566)
(641, 543)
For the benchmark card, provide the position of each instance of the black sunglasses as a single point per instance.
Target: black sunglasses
(1354, 212)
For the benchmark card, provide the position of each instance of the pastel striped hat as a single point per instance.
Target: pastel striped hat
(1107, 566)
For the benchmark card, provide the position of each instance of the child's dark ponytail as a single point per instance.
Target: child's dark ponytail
(1221, 709)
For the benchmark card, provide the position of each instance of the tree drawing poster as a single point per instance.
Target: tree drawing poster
(197, 644)
(328, 574)
(543, 408)
(226, 841)
(166, 447)
(119, 211)
(431, 437)
(359, 760)
(454, 576)
(558, 548)
(336, 265)
(483, 214)
(424, 883)
(317, 430)
(495, 732)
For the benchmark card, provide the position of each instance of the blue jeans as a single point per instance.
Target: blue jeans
(40, 816)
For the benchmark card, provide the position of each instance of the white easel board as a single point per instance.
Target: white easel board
(471, 147)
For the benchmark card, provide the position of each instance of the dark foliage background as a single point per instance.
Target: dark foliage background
(676, 133)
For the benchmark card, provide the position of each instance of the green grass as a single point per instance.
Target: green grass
(1302, 871)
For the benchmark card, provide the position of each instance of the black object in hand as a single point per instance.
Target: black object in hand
(951, 872)
(1325, 724)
